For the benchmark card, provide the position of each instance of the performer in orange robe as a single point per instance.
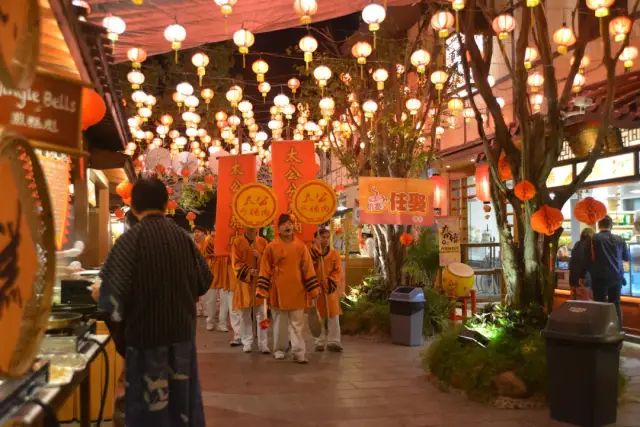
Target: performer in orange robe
(287, 276)
(245, 259)
(328, 265)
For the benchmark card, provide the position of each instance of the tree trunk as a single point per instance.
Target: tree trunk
(390, 254)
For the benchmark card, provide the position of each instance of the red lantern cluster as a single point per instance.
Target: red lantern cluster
(590, 210)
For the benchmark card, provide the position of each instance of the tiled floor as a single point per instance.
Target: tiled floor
(371, 384)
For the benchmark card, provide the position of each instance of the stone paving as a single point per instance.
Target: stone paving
(373, 383)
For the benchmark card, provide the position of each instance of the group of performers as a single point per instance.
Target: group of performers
(286, 277)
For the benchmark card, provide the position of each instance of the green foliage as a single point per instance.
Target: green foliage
(366, 317)
(437, 308)
(472, 368)
(192, 199)
(497, 319)
(422, 261)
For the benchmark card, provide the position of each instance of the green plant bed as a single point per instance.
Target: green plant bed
(514, 345)
(366, 317)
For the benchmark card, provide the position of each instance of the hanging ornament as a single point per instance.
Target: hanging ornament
(627, 56)
(546, 220)
(260, 68)
(442, 22)
(175, 34)
(619, 27)
(406, 239)
(137, 56)
(373, 14)
(530, 55)
(589, 211)
(503, 25)
(115, 26)
(244, 39)
(380, 76)
(200, 61)
(504, 169)
(420, 59)
(226, 6)
(305, 10)
(564, 37)
(600, 7)
(308, 44)
(293, 84)
(524, 190)
(264, 88)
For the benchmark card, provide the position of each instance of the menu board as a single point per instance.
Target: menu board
(57, 171)
(560, 176)
(48, 111)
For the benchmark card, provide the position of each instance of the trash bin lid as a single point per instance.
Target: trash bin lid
(407, 294)
(585, 321)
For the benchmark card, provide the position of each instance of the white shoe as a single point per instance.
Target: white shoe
(235, 343)
(279, 355)
(265, 350)
(210, 327)
(247, 348)
(222, 329)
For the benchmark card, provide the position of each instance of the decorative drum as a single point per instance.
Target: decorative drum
(458, 277)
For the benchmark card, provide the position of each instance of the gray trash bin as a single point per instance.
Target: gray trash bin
(583, 352)
(407, 311)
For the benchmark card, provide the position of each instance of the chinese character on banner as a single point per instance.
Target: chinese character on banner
(293, 164)
(233, 173)
(254, 205)
(448, 239)
(396, 201)
(315, 202)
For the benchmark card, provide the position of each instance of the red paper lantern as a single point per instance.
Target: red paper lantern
(93, 108)
(160, 169)
(524, 190)
(590, 210)
(124, 189)
(200, 187)
(119, 213)
(483, 186)
(209, 179)
(406, 239)
(439, 193)
(504, 169)
(185, 172)
(547, 220)
(172, 205)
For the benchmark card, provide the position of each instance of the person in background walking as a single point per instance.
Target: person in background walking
(607, 254)
(579, 278)
(328, 266)
(151, 281)
(287, 276)
(246, 252)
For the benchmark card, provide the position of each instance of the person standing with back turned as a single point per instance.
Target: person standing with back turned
(151, 281)
(607, 253)
(287, 277)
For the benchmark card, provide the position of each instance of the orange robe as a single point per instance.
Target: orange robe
(222, 272)
(287, 275)
(244, 259)
(206, 249)
(329, 275)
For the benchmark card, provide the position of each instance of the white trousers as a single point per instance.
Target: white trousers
(332, 336)
(216, 314)
(288, 326)
(234, 315)
(247, 328)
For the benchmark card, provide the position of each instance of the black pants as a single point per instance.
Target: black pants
(610, 294)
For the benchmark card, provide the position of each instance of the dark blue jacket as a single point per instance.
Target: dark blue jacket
(607, 255)
(580, 257)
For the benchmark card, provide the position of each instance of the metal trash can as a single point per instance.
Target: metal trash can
(407, 312)
(583, 353)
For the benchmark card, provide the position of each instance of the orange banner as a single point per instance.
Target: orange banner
(233, 173)
(395, 201)
(293, 164)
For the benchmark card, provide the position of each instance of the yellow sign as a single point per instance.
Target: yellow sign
(254, 205)
(314, 202)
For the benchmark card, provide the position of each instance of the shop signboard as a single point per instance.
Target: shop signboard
(608, 168)
(48, 111)
(560, 176)
(396, 201)
(57, 171)
(448, 239)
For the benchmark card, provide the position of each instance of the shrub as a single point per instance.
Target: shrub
(366, 316)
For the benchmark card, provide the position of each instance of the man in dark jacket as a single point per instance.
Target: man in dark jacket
(607, 254)
(151, 281)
